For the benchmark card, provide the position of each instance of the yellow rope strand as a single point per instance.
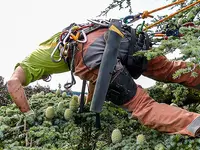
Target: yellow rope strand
(170, 16)
(175, 3)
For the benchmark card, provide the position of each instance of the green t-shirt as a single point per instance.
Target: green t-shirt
(39, 62)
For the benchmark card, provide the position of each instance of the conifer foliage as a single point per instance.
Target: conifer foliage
(58, 125)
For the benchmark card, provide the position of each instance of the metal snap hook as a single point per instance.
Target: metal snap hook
(67, 36)
(131, 18)
(84, 37)
(52, 54)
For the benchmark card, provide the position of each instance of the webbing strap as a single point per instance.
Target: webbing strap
(132, 43)
(82, 102)
(92, 28)
(73, 81)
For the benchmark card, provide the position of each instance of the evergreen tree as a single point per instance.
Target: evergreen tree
(79, 133)
(188, 46)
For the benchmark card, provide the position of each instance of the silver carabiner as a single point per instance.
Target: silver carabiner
(67, 36)
(84, 37)
(52, 54)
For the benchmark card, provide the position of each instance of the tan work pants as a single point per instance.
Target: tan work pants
(161, 116)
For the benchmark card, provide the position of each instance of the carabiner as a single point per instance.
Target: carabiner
(84, 37)
(67, 36)
(52, 54)
(131, 18)
(140, 27)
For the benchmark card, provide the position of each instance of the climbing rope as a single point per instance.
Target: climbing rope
(172, 15)
(132, 18)
(147, 13)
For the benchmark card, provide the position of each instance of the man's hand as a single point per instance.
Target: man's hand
(29, 117)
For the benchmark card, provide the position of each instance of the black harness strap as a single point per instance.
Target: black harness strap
(92, 29)
(132, 46)
(136, 65)
(82, 101)
(72, 68)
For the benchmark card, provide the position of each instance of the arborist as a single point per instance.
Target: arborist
(81, 49)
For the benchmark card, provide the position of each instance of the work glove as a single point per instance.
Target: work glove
(29, 117)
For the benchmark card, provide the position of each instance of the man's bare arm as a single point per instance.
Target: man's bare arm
(16, 90)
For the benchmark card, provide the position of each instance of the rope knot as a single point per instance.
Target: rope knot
(145, 14)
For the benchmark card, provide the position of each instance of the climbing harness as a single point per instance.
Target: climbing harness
(76, 34)
(67, 47)
(70, 37)
(67, 37)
